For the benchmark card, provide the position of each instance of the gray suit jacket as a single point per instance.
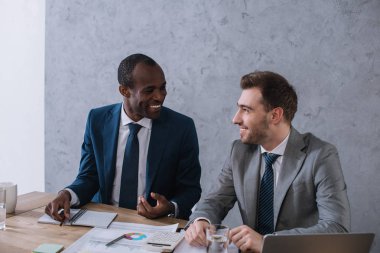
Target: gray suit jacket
(310, 196)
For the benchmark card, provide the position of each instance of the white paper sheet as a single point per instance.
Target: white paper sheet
(184, 247)
(94, 241)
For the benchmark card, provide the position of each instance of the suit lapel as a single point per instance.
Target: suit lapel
(110, 140)
(291, 164)
(251, 186)
(157, 143)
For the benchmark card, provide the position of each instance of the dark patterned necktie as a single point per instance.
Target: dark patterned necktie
(265, 208)
(129, 175)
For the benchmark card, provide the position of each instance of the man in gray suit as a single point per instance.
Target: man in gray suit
(284, 182)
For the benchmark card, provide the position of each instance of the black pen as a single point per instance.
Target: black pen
(158, 244)
(62, 214)
(115, 240)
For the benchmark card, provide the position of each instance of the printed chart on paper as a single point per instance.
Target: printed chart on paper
(95, 240)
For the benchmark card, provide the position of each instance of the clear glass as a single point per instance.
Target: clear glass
(217, 237)
(3, 211)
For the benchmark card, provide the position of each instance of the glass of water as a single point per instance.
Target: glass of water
(217, 237)
(3, 211)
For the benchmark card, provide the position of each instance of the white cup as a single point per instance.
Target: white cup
(11, 195)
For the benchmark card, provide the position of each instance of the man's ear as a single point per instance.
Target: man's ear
(277, 115)
(124, 91)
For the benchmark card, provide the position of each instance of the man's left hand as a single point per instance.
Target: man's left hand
(246, 239)
(162, 208)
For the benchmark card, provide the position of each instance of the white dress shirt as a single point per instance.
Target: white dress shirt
(144, 138)
(279, 150)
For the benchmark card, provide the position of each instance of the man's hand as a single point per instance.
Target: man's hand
(61, 201)
(196, 233)
(162, 208)
(246, 239)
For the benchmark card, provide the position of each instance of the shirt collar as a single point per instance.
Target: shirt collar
(125, 120)
(280, 149)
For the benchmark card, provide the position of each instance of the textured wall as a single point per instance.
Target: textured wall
(329, 50)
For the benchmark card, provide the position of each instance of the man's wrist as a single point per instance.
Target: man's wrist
(65, 192)
(74, 200)
(195, 220)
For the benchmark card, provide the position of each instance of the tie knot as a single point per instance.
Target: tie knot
(270, 158)
(134, 129)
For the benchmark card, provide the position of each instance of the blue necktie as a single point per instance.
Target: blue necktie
(129, 175)
(265, 208)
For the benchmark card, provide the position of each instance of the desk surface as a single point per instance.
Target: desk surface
(30, 201)
(23, 233)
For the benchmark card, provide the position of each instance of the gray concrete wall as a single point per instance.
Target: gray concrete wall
(329, 50)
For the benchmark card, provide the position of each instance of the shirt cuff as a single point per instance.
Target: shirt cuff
(202, 218)
(74, 197)
(195, 220)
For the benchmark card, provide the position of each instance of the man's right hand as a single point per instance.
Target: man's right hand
(61, 201)
(196, 233)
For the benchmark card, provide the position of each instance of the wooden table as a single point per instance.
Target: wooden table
(30, 201)
(23, 233)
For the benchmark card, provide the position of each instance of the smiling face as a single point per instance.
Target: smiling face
(252, 117)
(148, 93)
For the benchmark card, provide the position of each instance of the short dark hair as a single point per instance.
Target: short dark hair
(275, 89)
(126, 67)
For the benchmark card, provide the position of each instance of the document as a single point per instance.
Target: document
(87, 218)
(184, 247)
(95, 240)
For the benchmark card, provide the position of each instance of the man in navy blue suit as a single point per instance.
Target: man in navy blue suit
(168, 175)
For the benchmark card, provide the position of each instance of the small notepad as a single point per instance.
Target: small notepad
(88, 218)
(48, 248)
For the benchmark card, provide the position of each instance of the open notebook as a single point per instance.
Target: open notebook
(86, 218)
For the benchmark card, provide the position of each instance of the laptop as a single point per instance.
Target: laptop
(318, 243)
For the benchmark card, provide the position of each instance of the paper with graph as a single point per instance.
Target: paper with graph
(95, 240)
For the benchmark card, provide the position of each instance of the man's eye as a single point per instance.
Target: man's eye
(148, 90)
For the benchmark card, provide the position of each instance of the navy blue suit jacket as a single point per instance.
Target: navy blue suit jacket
(173, 168)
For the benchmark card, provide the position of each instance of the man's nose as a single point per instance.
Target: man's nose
(159, 95)
(236, 119)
